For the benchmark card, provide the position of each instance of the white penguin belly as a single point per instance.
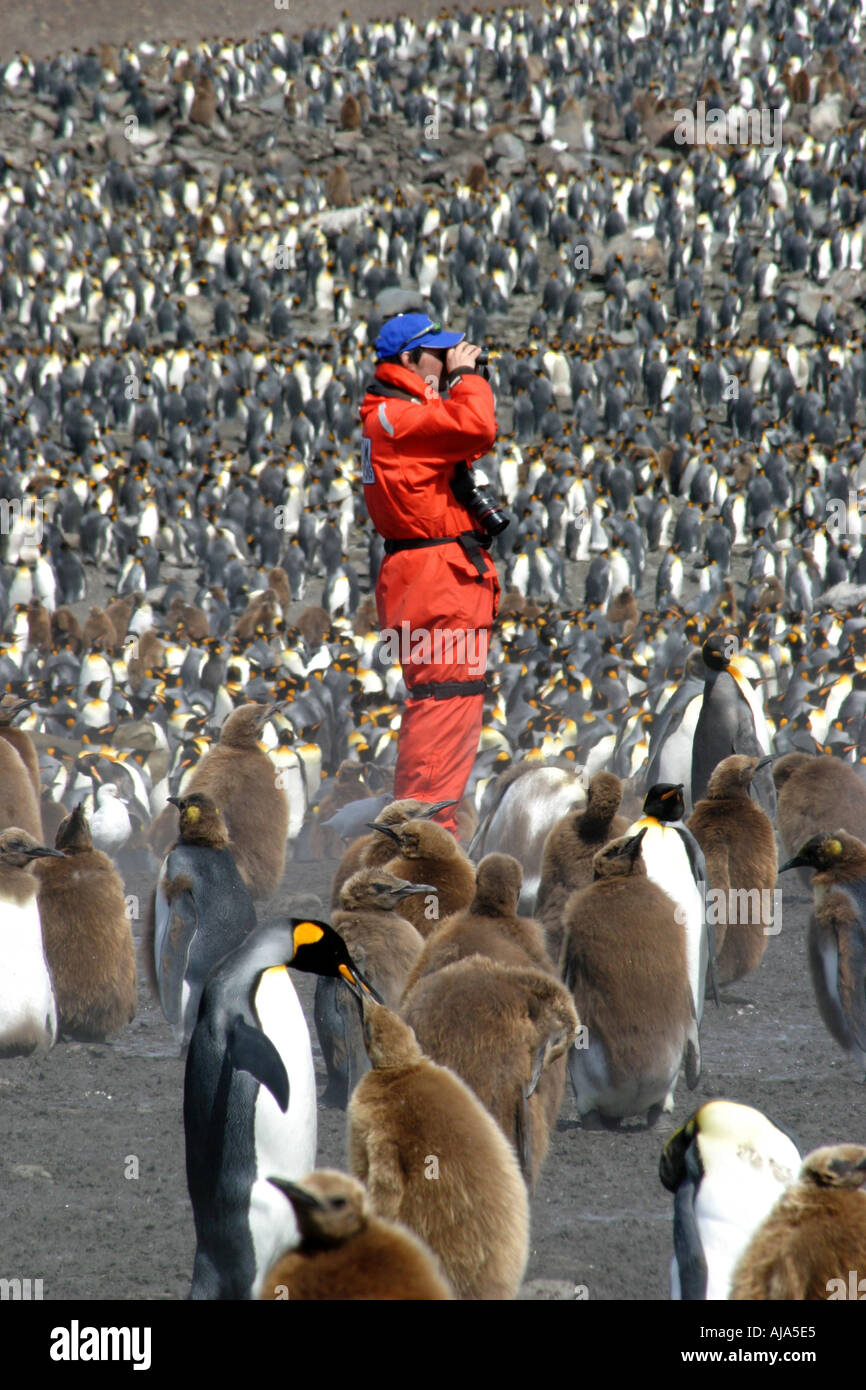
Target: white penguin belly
(27, 1004)
(667, 865)
(285, 1144)
(728, 1209)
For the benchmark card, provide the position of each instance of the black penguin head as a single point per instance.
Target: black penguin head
(822, 851)
(718, 650)
(665, 802)
(322, 951)
(201, 820)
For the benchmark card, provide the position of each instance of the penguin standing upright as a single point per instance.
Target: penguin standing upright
(200, 910)
(624, 960)
(837, 935)
(674, 860)
(240, 779)
(28, 1012)
(739, 848)
(87, 934)
(731, 721)
(249, 1103)
(727, 1167)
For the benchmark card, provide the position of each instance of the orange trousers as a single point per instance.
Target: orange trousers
(435, 615)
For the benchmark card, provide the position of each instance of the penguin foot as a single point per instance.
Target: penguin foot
(594, 1120)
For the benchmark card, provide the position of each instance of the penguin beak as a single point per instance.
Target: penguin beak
(436, 808)
(42, 852)
(384, 830)
(355, 981)
(409, 888)
(765, 762)
(632, 848)
(298, 1196)
(174, 801)
(795, 863)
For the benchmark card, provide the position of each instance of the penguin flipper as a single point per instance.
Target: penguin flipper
(523, 1133)
(177, 926)
(852, 980)
(250, 1050)
(688, 1249)
(692, 1057)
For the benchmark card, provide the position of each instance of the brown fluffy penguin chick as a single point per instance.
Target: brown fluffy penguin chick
(432, 1158)
(19, 803)
(505, 1032)
(20, 740)
(241, 780)
(736, 836)
(346, 1252)
(372, 850)
(382, 942)
(816, 793)
(624, 960)
(428, 853)
(814, 1237)
(569, 851)
(99, 633)
(87, 935)
(489, 926)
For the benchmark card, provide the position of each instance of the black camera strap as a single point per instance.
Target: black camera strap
(472, 542)
(446, 690)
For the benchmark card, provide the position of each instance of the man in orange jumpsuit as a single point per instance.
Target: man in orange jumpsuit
(437, 592)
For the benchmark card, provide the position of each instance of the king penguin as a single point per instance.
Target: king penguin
(727, 1167)
(674, 860)
(837, 935)
(200, 910)
(731, 721)
(249, 1103)
(28, 1012)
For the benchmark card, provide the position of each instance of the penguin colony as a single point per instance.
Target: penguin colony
(681, 408)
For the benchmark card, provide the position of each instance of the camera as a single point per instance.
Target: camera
(482, 364)
(478, 501)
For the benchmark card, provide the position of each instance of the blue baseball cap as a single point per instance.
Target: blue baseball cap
(410, 331)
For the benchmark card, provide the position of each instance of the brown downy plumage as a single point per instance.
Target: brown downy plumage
(408, 1114)
(19, 739)
(314, 624)
(503, 1030)
(736, 836)
(19, 803)
(87, 935)
(346, 1252)
(814, 794)
(241, 780)
(38, 625)
(489, 926)
(66, 630)
(372, 850)
(428, 853)
(815, 1236)
(569, 851)
(99, 633)
(278, 580)
(624, 960)
(382, 942)
(119, 613)
(147, 655)
(623, 612)
(262, 612)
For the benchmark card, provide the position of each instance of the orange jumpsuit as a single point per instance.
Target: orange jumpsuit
(409, 449)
